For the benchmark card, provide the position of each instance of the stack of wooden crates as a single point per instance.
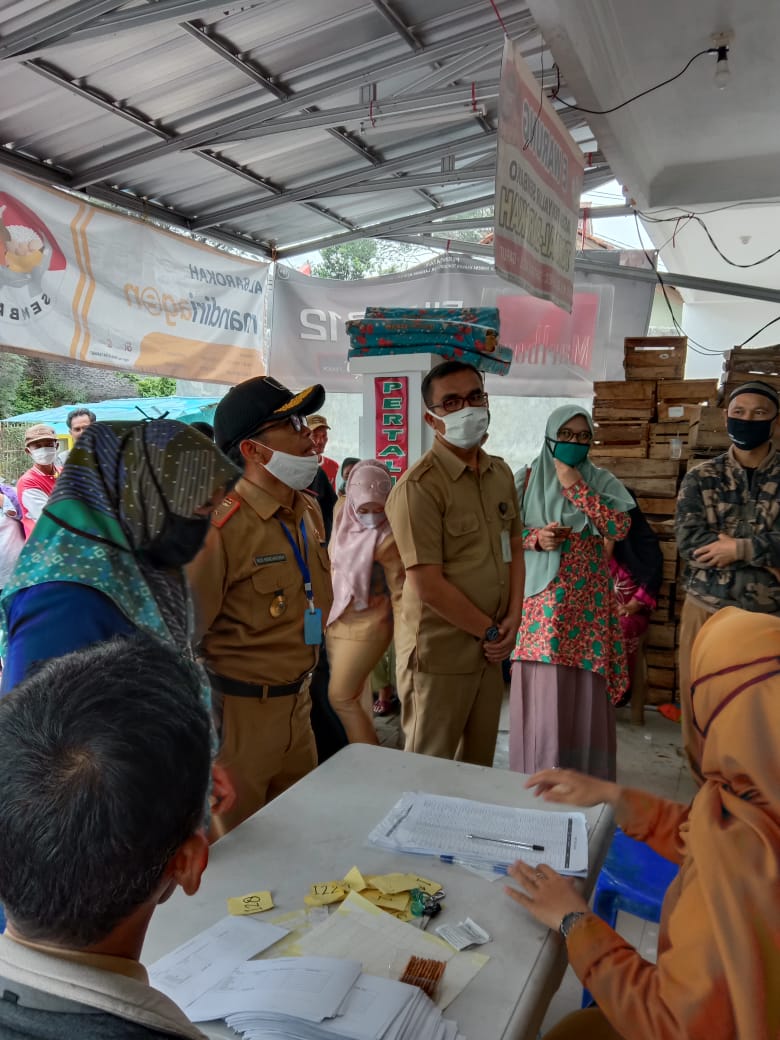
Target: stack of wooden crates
(643, 436)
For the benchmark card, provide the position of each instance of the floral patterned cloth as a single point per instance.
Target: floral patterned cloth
(574, 620)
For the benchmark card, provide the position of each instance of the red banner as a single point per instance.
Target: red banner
(391, 395)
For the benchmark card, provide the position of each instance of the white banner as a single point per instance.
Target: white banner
(539, 171)
(556, 354)
(82, 283)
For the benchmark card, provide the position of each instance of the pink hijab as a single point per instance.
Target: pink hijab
(353, 545)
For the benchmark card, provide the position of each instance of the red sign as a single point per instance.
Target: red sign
(391, 395)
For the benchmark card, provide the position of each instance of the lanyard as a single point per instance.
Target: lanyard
(301, 560)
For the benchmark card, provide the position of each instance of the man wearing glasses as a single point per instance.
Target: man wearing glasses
(261, 586)
(456, 521)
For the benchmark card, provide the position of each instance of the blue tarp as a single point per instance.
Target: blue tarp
(185, 409)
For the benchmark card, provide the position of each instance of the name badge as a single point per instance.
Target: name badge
(312, 627)
(271, 558)
(506, 547)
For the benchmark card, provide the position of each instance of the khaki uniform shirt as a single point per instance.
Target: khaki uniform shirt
(443, 513)
(245, 573)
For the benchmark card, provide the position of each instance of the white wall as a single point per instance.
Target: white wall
(722, 322)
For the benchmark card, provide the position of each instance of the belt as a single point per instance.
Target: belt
(237, 688)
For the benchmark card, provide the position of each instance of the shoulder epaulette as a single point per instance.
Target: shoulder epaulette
(227, 507)
(310, 493)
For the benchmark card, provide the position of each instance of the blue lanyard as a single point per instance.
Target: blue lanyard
(301, 560)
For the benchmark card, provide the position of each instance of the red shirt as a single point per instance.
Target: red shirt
(33, 489)
(331, 468)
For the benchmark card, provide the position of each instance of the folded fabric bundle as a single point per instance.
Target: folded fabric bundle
(496, 364)
(468, 315)
(411, 332)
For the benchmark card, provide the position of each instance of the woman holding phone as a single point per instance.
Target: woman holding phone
(569, 664)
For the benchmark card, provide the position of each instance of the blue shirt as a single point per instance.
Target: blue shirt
(54, 619)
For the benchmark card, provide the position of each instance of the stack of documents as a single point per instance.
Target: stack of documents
(459, 830)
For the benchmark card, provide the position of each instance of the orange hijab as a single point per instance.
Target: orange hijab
(734, 824)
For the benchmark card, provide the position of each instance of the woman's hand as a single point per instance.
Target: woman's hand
(546, 895)
(567, 475)
(632, 607)
(223, 793)
(573, 788)
(552, 536)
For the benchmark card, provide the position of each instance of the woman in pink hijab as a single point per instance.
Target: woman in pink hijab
(368, 577)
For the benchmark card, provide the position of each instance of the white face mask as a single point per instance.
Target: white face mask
(296, 471)
(466, 428)
(43, 456)
(371, 519)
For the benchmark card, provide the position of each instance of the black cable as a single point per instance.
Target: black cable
(607, 111)
(746, 341)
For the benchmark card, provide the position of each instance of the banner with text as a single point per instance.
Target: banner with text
(84, 283)
(556, 354)
(391, 398)
(539, 170)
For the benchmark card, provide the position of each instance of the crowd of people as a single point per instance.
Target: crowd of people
(248, 593)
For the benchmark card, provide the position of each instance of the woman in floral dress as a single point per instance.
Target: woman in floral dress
(569, 664)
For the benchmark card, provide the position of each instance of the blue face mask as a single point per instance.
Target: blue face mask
(568, 452)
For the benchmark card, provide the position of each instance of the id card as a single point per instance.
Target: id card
(506, 547)
(312, 627)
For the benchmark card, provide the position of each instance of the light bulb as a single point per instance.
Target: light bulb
(722, 70)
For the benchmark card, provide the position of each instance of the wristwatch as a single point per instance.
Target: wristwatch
(569, 921)
(492, 634)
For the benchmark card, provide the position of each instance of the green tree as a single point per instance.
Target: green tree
(153, 386)
(348, 260)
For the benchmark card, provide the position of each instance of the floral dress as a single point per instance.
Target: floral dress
(574, 620)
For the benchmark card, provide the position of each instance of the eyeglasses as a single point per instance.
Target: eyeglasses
(454, 403)
(298, 423)
(581, 436)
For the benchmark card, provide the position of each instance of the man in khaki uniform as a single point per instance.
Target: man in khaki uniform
(262, 590)
(456, 520)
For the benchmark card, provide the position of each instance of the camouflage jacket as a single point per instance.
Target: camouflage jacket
(715, 497)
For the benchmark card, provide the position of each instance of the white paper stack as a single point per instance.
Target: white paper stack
(374, 1009)
(476, 832)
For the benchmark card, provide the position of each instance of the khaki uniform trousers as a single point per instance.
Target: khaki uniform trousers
(267, 746)
(351, 663)
(450, 716)
(691, 621)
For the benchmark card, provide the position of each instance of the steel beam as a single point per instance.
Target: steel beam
(448, 245)
(681, 281)
(397, 24)
(353, 113)
(383, 230)
(44, 31)
(321, 188)
(224, 127)
(423, 180)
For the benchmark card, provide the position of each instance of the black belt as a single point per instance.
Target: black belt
(237, 688)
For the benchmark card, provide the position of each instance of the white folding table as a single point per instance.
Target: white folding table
(317, 830)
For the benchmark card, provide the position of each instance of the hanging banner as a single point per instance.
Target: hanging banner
(555, 354)
(539, 170)
(83, 283)
(391, 395)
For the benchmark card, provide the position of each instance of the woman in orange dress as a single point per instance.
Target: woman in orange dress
(717, 976)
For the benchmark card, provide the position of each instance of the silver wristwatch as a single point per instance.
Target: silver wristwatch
(568, 921)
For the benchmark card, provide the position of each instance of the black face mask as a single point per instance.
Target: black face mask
(179, 541)
(748, 434)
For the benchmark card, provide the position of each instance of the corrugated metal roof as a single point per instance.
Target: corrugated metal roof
(271, 124)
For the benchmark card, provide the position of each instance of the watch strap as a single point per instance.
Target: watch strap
(568, 922)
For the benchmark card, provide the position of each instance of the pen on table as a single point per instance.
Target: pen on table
(506, 841)
(497, 868)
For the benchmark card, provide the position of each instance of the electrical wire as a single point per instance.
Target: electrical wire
(606, 111)
(746, 341)
(713, 243)
(529, 141)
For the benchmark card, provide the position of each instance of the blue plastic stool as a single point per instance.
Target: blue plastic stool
(633, 879)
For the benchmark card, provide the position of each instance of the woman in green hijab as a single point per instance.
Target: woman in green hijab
(569, 664)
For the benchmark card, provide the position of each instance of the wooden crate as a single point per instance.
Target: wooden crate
(742, 364)
(655, 357)
(669, 441)
(659, 507)
(674, 413)
(688, 391)
(624, 402)
(713, 440)
(661, 636)
(657, 695)
(620, 440)
(654, 478)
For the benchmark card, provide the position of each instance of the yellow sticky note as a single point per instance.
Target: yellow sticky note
(355, 881)
(392, 883)
(253, 903)
(325, 892)
(397, 901)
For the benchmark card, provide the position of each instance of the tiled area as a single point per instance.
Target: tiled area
(649, 757)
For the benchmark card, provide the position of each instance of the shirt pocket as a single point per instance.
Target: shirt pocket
(270, 579)
(461, 525)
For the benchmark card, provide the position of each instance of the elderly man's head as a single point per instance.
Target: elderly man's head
(104, 769)
(78, 420)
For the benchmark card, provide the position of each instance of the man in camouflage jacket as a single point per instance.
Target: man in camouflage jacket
(728, 527)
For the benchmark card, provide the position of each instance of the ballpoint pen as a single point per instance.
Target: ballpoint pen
(506, 841)
(497, 868)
